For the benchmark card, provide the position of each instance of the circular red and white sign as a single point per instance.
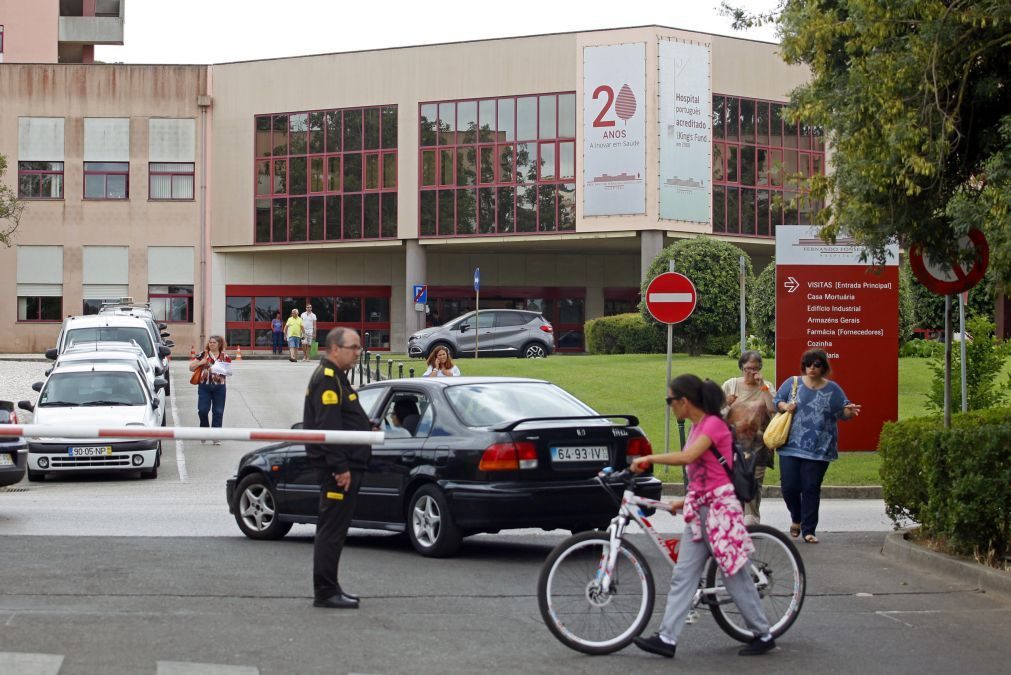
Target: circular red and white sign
(954, 278)
(671, 297)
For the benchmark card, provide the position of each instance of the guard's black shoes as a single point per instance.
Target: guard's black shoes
(339, 601)
(757, 647)
(654, 645)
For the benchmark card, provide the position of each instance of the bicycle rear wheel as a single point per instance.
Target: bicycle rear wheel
(577, 612)
(781, 592)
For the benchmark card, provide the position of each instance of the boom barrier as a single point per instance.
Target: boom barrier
(321, 437)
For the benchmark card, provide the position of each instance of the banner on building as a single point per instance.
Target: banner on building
(686, 132)
(614, 130)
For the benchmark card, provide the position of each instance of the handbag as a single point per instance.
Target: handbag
(742, 474)
(197, 376)
(777, 433)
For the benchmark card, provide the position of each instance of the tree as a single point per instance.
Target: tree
(915, 98)
(11, 208)
(762, 306)
(712, 266)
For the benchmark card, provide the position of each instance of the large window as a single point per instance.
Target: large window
(171, 304)
(40, 308)
(760, 162)
(498, 165)
(40, 180)
(326, 175)
(106, 180)
(171, 180)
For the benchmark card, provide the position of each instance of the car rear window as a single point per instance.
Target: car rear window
(484, 405)
(113, 334)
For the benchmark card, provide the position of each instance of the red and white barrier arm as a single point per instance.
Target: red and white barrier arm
(320, 437)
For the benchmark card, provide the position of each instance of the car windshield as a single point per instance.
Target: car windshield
(92, 388)
(485, 405)
(113, 334)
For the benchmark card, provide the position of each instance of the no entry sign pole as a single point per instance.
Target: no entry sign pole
(670, 299)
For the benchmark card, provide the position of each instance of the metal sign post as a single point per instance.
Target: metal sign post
(962, 299)
(477, 310)
(743, 320)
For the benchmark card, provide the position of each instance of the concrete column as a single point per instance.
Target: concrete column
(415, 272)
(650, 245)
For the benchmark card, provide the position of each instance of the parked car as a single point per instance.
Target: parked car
(13, 449)
(112, 327)
(117, 352)
(94, 394)
(495, 332)
(465, 455)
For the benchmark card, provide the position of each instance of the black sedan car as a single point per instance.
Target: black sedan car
(13, 449)
(462, 455)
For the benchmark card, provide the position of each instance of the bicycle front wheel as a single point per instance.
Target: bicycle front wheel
(778, 573)
(574, 607)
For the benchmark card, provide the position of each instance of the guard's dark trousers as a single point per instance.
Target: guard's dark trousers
(331, 531)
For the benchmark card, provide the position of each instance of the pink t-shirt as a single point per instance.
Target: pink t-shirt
(705, 473)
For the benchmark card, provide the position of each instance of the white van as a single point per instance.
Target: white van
(94, 394)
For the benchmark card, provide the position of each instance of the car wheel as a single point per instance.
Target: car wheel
(441, 345)
(168, 387)
(150, 473)
(533, 350)
(36, 476)
(256, 509)
(430, 524)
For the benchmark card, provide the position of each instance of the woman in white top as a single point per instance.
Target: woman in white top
(440, 364)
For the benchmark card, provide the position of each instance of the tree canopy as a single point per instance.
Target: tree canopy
(915, 99)
(10, 208)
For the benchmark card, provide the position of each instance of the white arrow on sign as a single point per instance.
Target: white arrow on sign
(791, 284)
(670, 297)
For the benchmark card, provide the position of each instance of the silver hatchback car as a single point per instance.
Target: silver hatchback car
(495, 332)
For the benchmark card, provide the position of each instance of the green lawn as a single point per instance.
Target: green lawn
(635, 384)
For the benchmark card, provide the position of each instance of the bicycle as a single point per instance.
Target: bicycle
(596, 590)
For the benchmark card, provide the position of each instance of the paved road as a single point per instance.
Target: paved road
(153, 577)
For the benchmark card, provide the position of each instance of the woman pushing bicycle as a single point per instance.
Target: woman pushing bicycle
(714, 520)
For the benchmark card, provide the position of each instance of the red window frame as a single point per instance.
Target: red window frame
(478, 201)
(745, 196)
(23, 172)
(152, 295)
(105, 173)
(38, 310)
(1, 39)
(325, 209)
(172, 174)
(305, 294)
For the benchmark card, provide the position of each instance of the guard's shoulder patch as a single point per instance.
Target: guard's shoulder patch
(330, 397)
(352, 397)
(328, 372)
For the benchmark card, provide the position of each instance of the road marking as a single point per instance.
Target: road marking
(184, 668)
(23, 663)
(180, 451)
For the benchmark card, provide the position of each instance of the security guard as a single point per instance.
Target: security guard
(331, 403)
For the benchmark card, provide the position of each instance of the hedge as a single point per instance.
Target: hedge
(624, 334)
(955, 482)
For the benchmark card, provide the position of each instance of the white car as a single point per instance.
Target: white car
(117, 352)
(94, 394)
(115, 328)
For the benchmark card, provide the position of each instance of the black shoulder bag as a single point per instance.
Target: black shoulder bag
(742, 475)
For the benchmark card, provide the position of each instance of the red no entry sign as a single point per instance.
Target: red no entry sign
(671, 297)
(953, 278)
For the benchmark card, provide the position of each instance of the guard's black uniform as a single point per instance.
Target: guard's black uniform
(331, 404)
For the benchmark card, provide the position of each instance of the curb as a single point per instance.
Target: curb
(986, 579)
(773, 491)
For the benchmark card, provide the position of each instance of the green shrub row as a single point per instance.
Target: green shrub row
(922, 349)
(624, 334)
(955, 482)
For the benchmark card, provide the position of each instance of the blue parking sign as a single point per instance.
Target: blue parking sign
(421, 293)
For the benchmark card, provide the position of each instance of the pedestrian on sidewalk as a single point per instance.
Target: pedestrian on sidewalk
(714, 520)
(814, 439)
(749, 409)
(331, 403)
(293, 333)
(308, 331)
(440, 364)
(215, 367)
(277, 334)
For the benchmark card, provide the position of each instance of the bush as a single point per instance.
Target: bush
(624, 334)
(712, 265)
(985, 357)
(922, 349)
(762, 305)
(955, 482)
(754, 344)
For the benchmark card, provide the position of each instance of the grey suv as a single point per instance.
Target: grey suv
(498, 332)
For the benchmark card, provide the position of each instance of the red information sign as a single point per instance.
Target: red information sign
(671, 297)
(826, 298)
